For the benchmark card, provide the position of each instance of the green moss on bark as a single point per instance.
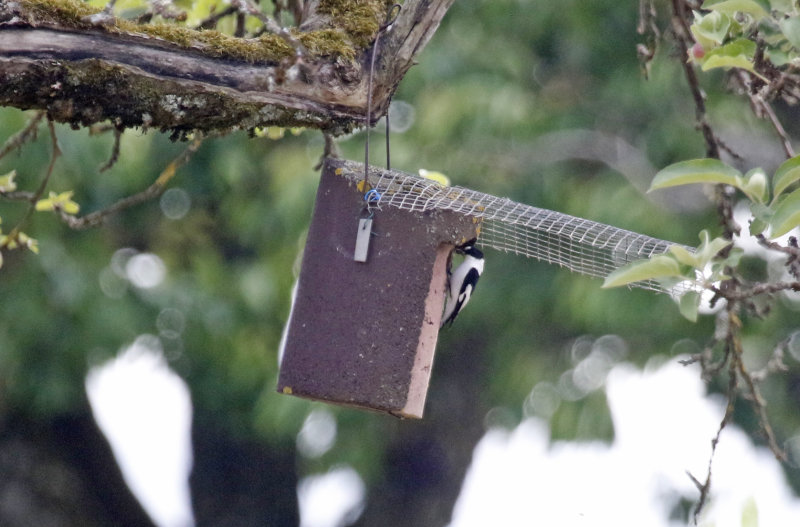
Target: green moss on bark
(353, 26)
(360, 19)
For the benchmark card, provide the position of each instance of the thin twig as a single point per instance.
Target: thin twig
(764, 110)
(277, 11)
(705, 486)
(730, 352)
(682, 35)
(241, 25)
(166, 9)
(331, 150)
(758, 289)
(776, 124)
(247, 7)
(296, 7)
(773, 365)
(791, 250)
(724, 198)
(733, 290)
(34, 197)
(733, 357)
(104, 17)
(114, 152)
(154, 190)
(213, 19)
(724, 146)
(23, 136)
(760, 406)
(648, 28)
(101, 128)
(17, 195)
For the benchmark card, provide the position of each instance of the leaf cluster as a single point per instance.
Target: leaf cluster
(727, 31)
(775, 209)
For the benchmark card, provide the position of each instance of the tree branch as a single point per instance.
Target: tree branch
(23, 136)
(91, 77)
(763, 109)
(154, 190)
(683, 38)
(32, 198)
(178, 79)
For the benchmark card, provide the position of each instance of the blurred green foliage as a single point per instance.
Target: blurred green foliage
(497, 78)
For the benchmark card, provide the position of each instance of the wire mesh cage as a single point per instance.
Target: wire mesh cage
(583, 246)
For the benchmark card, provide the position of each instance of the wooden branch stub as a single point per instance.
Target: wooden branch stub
(414, 27)
(364, 334)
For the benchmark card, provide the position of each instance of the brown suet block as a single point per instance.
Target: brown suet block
(364, 334)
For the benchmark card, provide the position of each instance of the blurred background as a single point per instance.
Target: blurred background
(542, 102)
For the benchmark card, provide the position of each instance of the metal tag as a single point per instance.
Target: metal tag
(362, 239)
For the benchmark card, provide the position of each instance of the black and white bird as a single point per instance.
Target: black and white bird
(462, 281)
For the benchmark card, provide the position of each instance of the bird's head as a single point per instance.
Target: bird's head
(468, 249)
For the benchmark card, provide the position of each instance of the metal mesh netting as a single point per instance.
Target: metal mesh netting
(583, 246)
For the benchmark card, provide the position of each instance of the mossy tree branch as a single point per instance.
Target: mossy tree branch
(165, 76)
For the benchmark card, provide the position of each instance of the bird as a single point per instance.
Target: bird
(462, 281)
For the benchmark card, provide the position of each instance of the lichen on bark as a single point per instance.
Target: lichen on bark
(55, 56)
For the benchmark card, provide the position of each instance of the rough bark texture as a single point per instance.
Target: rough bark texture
(61, 472)
(178, 79)
(241, 483)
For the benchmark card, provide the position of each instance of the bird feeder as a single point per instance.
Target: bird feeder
(366, 314)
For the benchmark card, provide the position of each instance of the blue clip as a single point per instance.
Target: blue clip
(372, 196)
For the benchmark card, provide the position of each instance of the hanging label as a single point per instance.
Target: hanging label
(362, 239)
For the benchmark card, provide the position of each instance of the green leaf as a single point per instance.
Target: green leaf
(697, 171)
(787, 215)
(761, 212)
(787, 173)
(756, 186)
(688, 305)
(709, 248)
(758, 226)
(750, 513)
(705, 253)
(779, 57)
(7, 183)
(736, 54)
(731, 7)
(791, 30)
(711, 29)
(683, 255)
(734, 256)
(640, 270)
